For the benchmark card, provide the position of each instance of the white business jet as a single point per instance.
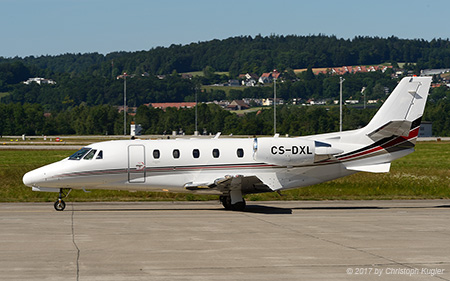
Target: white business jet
(232, 167)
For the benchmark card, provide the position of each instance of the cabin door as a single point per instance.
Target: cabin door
(136, 164)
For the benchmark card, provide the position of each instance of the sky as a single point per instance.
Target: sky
(53, 27)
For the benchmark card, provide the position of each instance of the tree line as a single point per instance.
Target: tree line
(73, 90)
(256, 54)
(29, 119)
(82, 100)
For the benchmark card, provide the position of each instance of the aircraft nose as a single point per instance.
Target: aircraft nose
(28, 179)
(31, 178)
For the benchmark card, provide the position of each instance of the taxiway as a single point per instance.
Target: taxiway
(327, 240)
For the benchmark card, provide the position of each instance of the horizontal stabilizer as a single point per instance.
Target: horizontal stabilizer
(373, 168)
(392, 128)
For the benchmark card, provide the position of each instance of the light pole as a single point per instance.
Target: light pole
(363, 91)
(341, 80)
(124, 103)
(196, 118)
(274, 106)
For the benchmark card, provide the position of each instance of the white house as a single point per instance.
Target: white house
(39, 80)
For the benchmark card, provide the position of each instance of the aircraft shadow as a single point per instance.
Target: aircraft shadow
(342, 208)
(261, 209)
(256, 209)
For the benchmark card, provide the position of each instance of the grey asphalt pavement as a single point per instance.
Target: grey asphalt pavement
(304, 240)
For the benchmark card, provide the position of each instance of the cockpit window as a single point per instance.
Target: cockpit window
(90, 155)
(79, 154)
(99, 155)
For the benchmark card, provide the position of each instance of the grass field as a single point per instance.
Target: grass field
(424, 174)
(200, 73)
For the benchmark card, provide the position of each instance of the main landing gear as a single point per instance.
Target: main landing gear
(233, 201)
(60, 205)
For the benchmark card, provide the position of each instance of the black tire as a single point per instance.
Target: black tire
(239, 206)
(226, 202)
(60, 205)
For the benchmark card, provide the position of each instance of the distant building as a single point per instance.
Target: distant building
(39, 81)
(431, 72)
(425, 129)
(255, 102)
(269, 101)
(251, 76)
(317, 102)
(265, 78)
(164, 105)
(248, 79)
(249, 83)
(347, 69)
(233, 83)
(297, 101)
(238, 105)
(222, 103)
(135, 130)
(269, 76)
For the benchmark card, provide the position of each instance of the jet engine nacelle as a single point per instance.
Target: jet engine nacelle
(284, 151)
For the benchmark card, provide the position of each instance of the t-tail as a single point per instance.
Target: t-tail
(402, 112)
(392, 132)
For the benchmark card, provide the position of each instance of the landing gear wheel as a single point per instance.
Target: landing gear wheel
(60, 205)
(239, 206)
(226, 202)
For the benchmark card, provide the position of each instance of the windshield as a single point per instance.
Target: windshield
(79, 154)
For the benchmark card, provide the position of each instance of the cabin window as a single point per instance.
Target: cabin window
(176, 153)
(79, 154)
(99, 155)
(196, 153)
(90, 155)
(216, 153)
(240, 153)
(156, 154)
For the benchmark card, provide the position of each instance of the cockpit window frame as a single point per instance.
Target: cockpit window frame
(99, 155)
(90, 155)
(80, 153)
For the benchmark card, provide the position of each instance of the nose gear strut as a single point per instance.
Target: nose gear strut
(60, 205)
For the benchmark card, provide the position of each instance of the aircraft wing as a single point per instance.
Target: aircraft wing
(248, 184)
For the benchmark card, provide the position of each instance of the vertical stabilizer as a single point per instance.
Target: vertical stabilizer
(393, 130)
(404, 108)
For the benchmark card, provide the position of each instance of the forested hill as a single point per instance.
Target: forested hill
(251, 54)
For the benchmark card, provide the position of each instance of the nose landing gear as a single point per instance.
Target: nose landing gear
(60, 205)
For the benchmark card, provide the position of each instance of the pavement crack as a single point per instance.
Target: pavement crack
(75, 244)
